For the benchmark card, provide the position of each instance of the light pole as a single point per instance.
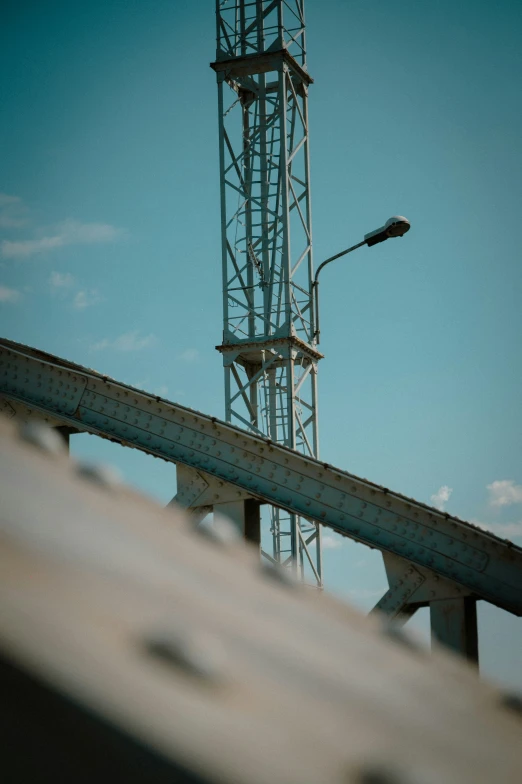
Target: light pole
(397, 226)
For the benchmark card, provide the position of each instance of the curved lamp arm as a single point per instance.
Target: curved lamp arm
(396, 226)
(315, 284)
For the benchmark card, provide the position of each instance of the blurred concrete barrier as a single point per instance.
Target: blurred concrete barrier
(134, 647)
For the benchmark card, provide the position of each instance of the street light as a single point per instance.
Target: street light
(397, 226)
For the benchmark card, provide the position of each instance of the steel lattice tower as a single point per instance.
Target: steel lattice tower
(269, 348)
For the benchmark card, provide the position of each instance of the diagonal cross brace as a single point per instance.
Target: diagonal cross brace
(395, 601)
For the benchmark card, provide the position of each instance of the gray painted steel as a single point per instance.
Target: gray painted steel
(489, 567)
(269, 347)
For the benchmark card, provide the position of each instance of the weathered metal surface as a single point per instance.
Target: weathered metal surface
(196, 489)
(489, 567)
(191, 487)
(396, 600)
(454, 624)
(187, 647)
(58, 386)
(261, 63)
(412, 587)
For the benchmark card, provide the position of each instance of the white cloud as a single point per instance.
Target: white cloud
(12, 211)
(5, 199)
(61, 280)
(441, 497)
(9, 295)
(69, 232)
(19, 249)
(189, 355)
(331, 542)
(129, 341)
(504, 492)
(85, 233)
(84, 299)
(506, 530)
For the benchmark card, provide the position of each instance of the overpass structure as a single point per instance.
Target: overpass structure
(431, 558)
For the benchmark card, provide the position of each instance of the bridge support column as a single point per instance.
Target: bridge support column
(66, 433)
(454, 624)
(201, 493)
(246, 516)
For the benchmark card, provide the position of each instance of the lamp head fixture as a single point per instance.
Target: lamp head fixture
(396, 226)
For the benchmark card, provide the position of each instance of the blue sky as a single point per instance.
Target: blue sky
(110, 255)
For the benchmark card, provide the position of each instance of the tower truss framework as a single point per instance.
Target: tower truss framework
(269, 353)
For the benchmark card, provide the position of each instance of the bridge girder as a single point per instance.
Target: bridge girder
(486, 566)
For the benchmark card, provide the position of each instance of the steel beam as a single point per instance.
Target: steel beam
(454, 624)
(397, 601)
(488, 567)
